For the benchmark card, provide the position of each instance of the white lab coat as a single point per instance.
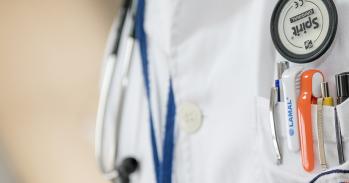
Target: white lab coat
(221, 58)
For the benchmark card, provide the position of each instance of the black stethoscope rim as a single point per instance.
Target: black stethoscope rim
(317, 53)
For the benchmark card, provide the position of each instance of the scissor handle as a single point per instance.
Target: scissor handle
(305, 99)
(305, 131)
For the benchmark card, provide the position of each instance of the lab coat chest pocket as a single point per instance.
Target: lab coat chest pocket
(291, 169)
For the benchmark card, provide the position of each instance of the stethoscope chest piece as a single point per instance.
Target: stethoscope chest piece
(128, 166)
(303, 30)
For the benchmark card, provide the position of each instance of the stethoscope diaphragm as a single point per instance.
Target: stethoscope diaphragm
(303, 30)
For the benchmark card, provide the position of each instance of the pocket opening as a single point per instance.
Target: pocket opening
(291, 169)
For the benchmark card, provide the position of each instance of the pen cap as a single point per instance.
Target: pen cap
(324, 90)
(281, 67)
(342, 84)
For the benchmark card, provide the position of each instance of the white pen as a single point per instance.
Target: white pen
(291, 86)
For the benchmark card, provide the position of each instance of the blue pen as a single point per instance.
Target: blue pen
(281, 67)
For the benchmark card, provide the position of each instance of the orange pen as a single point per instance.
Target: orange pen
(309, 91)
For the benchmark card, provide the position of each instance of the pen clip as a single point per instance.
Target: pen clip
(339, 138)
(273, 98)
(320, 133)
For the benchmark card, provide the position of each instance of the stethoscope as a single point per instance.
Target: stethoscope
(108, 130)
(108, 127)
(303, 30)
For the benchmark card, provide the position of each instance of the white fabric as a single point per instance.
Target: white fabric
(221, 58)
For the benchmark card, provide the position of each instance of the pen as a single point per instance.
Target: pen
(290, 87)
(326, 100)
(342, 83)
(281, 67)
(342, 94)
(275, 96)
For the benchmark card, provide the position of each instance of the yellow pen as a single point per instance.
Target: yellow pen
(328, 101)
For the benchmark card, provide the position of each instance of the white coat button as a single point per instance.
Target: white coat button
(190, 117)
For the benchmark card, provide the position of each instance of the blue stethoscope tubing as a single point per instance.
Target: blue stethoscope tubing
(163, 167)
